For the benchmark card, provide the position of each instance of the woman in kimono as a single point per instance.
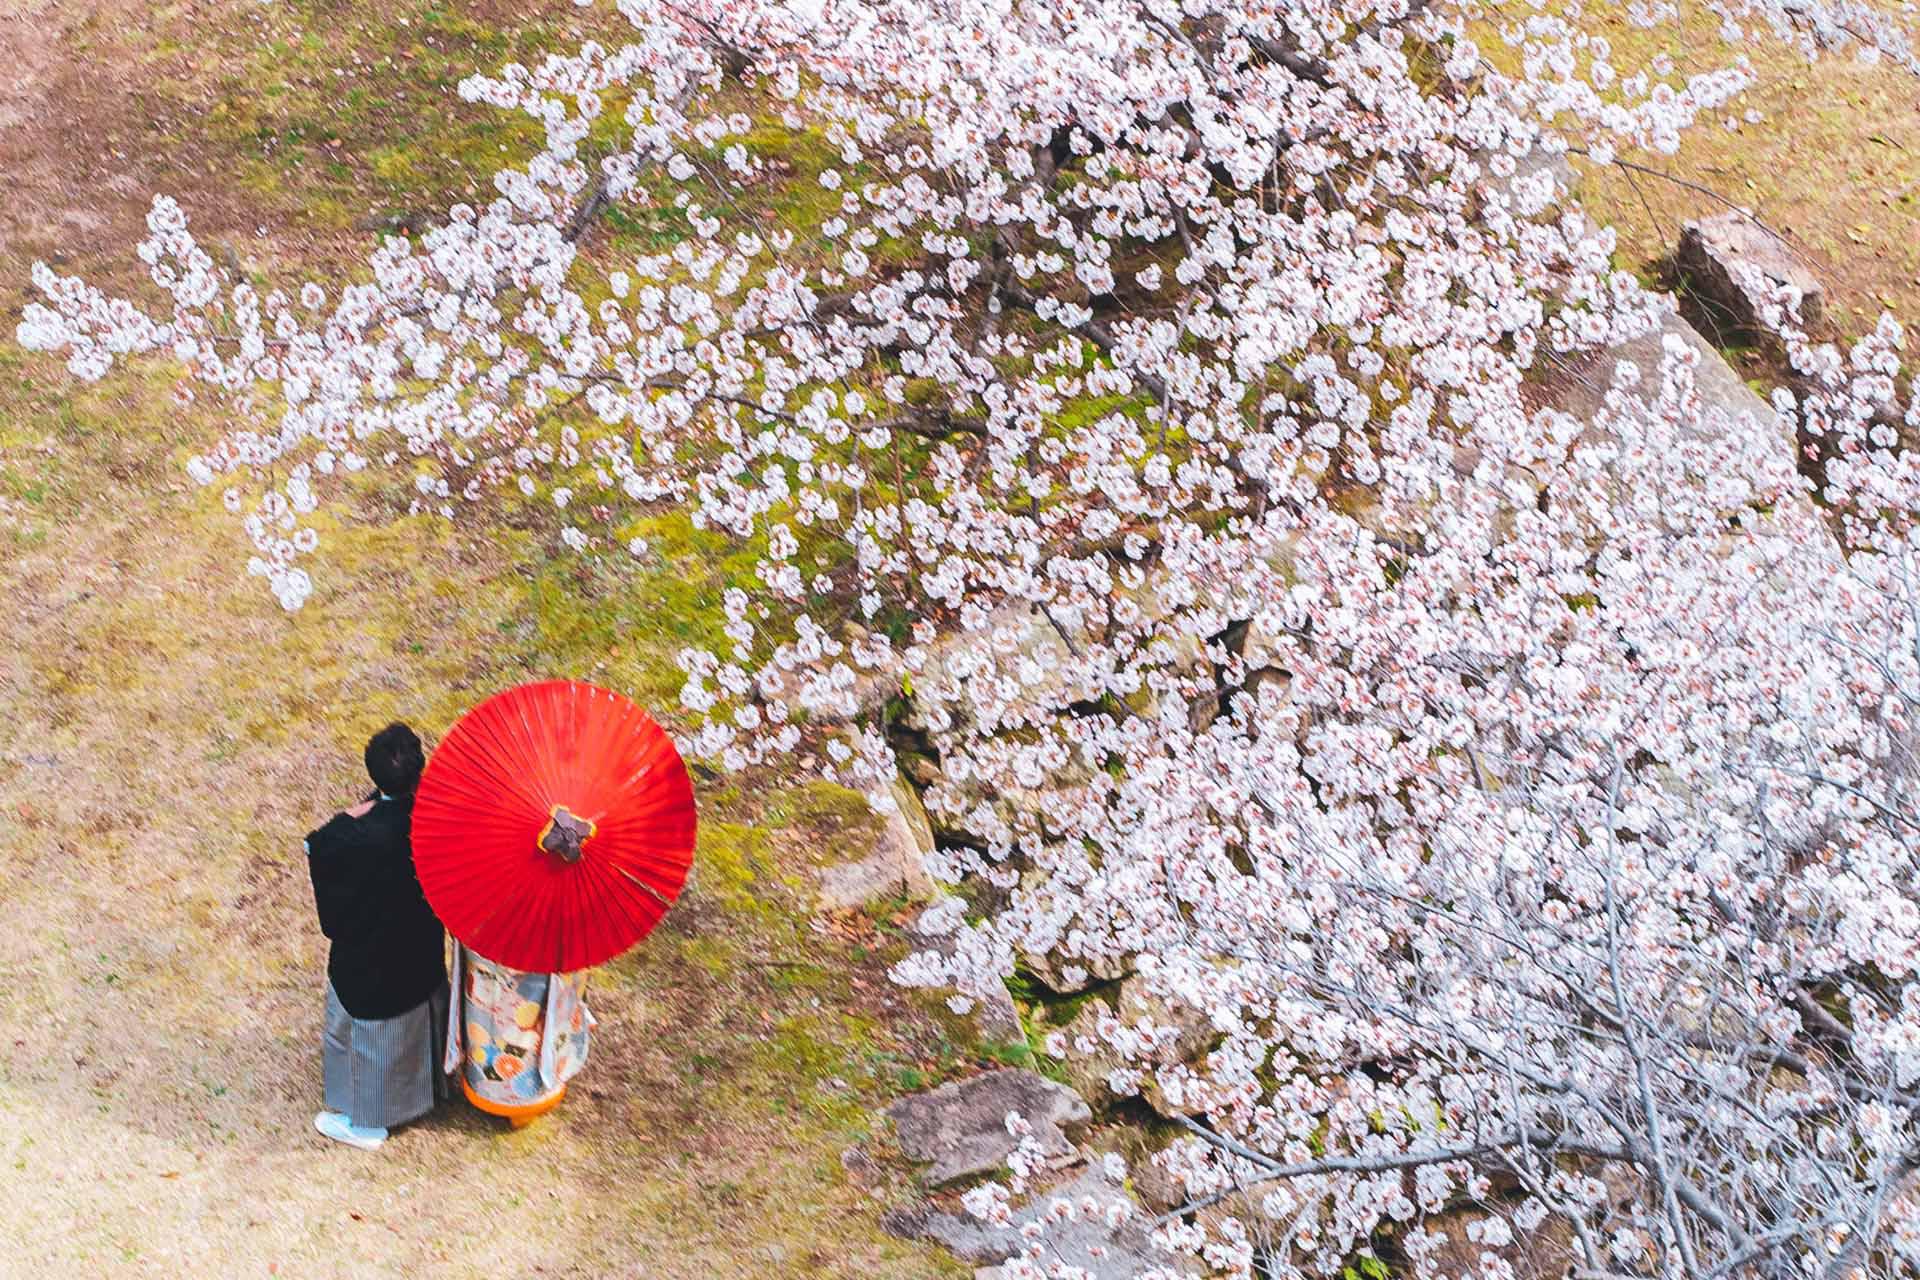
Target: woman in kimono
(515, 1038)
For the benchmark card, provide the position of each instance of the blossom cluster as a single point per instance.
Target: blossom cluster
(1170, 398)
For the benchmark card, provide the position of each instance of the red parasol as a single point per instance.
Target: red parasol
(554, 827)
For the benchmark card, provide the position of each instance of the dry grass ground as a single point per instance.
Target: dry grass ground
(167, 735)
(1832, 165)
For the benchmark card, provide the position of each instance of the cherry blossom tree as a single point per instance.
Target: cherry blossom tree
(1159, 396)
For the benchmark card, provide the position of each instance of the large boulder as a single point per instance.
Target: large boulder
(993, 1010)
(857, 676)
(1180, 1038)
(1085, 1241)
(1538, 182)
(893, 864)
(1578, 386)
(1090, 1059)
(1016, 646)
(978, 814)
(1160, 1191)
(1067, 974)
(960, 1129)
(1734, 263)
(960, 1234)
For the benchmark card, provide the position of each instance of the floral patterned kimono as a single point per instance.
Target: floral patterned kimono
(515, 1038)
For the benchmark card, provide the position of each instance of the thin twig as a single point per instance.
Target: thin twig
(1690, 185)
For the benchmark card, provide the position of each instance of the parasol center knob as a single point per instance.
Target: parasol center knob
(565, 834)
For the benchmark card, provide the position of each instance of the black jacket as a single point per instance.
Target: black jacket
(389, 951)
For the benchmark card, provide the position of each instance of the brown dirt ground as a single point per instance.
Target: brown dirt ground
(166, 736)
(1832, 166)
(76, 127)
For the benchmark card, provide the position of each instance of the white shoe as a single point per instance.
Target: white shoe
(335, 1125)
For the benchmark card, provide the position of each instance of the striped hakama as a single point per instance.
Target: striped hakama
(384, 1072)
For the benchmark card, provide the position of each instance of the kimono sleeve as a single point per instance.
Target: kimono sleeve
(456, 1012)
(333, 885)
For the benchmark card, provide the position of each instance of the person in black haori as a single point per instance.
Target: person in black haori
(386, 970)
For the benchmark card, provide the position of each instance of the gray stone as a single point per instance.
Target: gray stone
(994, 1012)
(998, 1018)
(921, 769)
(960, 1129)
(972, 813)
(857, 686)
(1158, 1190)
(963, 1235)
(1001, 649)
(967, 814)
(1088, 1070)
(1193, 1036)
(1732, 262)
(1194, 1032)
(894, 864)
(1579, 387)
(1203, 711)
(855, 884)
(1518, 189)
(1086, 1242)
(1051, 970)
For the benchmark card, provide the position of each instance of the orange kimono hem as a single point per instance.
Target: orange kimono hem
(520, 1113)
